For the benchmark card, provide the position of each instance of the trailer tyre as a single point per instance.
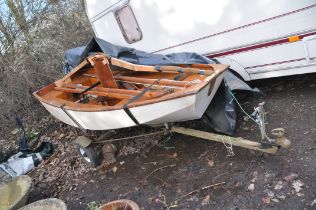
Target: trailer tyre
(89, 155)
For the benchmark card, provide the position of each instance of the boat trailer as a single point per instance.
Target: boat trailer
(271, 145)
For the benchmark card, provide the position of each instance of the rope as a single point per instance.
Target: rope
(248, 115)
(235, 99)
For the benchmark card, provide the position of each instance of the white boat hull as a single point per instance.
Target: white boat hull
(174, 110)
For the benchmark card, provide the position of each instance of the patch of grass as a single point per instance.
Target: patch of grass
(93, 206)
(31, 136)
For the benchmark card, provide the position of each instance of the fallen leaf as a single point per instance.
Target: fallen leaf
(275, 200)
(15, 131)
(255, 174)
(210, 163)
(290, 177)
(206, 200)
(251, 187)
(281, 197)
(269, 193)
(297, 185)
(61, 136)
(279, 185)
(266, 200)
(300, 194)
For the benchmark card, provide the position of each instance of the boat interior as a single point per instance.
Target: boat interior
(103, 83)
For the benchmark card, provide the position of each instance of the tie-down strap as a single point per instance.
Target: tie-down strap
(141, 94)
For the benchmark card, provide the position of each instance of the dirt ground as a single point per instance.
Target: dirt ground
(247, 180)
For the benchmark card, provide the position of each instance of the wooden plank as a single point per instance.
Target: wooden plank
(240, 142)
(58, 83)
(103, 72)
(147, 95)
(137, 80)
(102, 89)
(164, 82)
(146, 82)
(142, 68)
(199, 66)
(98, 93)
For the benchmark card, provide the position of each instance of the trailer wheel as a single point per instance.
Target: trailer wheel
(89, 155)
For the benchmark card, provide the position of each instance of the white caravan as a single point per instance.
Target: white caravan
(259, 39)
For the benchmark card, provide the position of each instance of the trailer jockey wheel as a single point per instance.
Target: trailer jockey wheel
(89, 155)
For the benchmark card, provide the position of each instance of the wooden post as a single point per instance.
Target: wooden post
(240, 142)
(104, 73)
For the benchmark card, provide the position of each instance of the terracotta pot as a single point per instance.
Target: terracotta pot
(122, 204)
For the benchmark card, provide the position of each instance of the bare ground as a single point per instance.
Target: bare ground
(190, 164)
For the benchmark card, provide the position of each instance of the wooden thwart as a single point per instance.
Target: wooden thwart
(98, 93)
(240, 142)
(102, 89)
(162, 82)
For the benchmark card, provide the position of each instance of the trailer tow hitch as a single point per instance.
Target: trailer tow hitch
(280, 139)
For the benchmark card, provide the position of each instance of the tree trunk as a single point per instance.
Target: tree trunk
(17, 10)
(7, 35)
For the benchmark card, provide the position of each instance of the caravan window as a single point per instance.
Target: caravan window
(128, 24)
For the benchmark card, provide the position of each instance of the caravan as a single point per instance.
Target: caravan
(258, 39)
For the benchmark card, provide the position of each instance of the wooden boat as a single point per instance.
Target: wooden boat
(105, 93)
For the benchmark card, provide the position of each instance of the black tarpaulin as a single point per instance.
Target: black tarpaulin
(221, 113)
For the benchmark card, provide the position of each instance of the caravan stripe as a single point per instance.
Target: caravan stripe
(237, 28)
(275, 63)
(258, 46)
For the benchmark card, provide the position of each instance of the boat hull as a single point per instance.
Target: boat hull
(175, 110)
